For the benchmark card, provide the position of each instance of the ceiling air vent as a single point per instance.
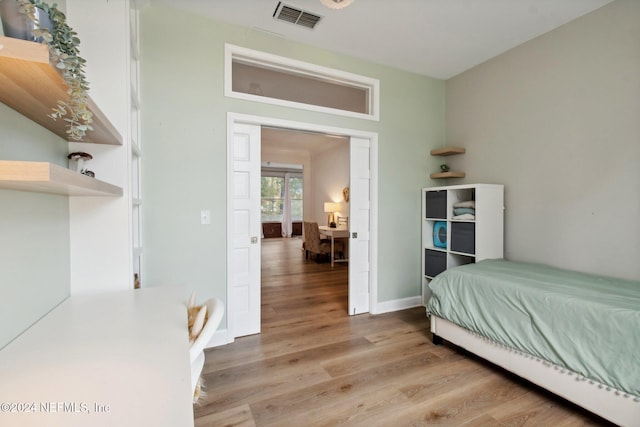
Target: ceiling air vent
(296, 16)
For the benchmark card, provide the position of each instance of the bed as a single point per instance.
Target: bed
(575, 334)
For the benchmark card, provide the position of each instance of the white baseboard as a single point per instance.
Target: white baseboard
(396, 305)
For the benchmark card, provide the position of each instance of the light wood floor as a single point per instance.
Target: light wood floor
(315, 365)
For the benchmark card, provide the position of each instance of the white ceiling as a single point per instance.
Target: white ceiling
(437, 38)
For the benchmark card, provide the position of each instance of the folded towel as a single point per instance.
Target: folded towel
(465, 204)
(464, 216)
(462, 211)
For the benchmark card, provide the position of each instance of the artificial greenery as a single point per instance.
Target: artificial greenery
(63, 45)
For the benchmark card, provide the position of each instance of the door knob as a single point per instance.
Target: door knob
(254, 240)
(354, 235)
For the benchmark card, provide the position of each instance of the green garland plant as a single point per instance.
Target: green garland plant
(64, 52)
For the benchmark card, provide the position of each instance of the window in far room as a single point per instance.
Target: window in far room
(296, 198)
(273, 195)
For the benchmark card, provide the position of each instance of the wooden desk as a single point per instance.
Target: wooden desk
(334, 233)
(112, 359)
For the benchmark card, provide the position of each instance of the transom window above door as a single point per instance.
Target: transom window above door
(273, 79)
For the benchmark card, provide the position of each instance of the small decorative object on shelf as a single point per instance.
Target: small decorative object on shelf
(445, 171)
(87, 172)
(136, 281)
(80, 158)
(63, 45)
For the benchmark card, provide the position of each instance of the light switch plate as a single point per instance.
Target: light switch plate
(205, 217)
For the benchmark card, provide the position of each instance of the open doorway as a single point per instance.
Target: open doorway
(301, 172)
(243, 227)
(321, 159)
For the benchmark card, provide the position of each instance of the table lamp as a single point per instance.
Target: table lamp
(330, 208)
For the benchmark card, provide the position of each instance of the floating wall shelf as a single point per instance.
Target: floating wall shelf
(441, 175)
(32, 86)
(447, 151)
(43, 177)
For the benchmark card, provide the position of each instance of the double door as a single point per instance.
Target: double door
(243, 234)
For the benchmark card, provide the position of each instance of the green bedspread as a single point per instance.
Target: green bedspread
(587, 324)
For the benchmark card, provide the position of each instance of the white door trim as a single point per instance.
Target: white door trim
(233, 118)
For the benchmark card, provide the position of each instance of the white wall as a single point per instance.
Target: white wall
(556, 121)
(34, 231)
(330, 174)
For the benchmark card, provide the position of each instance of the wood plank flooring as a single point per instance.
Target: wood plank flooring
(313, 365)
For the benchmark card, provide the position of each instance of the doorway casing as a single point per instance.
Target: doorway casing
(234, 119)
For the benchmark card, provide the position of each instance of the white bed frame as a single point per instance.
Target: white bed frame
(613, 405)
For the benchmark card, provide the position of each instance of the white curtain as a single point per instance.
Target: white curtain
(287, 227)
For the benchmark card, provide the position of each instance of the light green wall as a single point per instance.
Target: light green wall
(34, 231)
(184, 138)
(556, 121)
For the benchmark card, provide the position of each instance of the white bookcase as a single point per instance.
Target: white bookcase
(460, 241)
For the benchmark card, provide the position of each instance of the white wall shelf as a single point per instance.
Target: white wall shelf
(32, 86)
(44, 177)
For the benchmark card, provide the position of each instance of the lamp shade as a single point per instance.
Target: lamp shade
(330, 207)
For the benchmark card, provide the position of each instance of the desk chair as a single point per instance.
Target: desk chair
(314, 244)
(215, 310)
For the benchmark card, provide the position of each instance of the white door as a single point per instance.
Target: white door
(359, 226)
(243, 265)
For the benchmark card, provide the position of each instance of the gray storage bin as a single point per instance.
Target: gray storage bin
(435, 262)
(436, 204)
(463, 237)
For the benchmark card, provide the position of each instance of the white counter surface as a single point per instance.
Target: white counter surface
(114, 359)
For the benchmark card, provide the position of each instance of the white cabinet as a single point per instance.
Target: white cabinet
(461, 224)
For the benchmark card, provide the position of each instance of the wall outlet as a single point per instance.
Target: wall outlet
(205, 217)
